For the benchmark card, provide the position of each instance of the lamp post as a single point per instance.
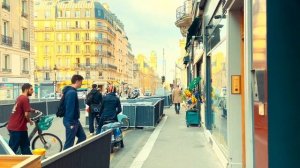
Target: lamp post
(55, 82)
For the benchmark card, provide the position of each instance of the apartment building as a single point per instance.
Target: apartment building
(78, 37)
(16, 55)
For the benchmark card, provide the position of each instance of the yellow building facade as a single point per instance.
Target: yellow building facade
(16, 51)
(78, 37)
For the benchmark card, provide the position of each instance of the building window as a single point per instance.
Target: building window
(24, 34)
(59, 49)
(77, 49)
(99, 36)
(5, 29)
(68, 62)
(87, 36)
(99, 24)
(5, 5)
(68, 37)
(47, 14)
(6, 66)
(100, 61)
(77, 14)
(87, 49)
(77, 36)
(100, 74)
(67, 49)
(46, 50)
(87, 13)
(77, 24)
(47, 76)
(88, 62)
(68, 14)
(87, 25)
(47, 36)
(24, 8)
(68, 24)
(59, 13)
(25, 66)
(59, 37)
(58, 25)
(87, 75)
(46, 63)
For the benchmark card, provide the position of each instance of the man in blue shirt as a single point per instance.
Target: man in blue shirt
(72, 113)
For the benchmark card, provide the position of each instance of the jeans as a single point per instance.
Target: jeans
(177, 107)
(72, 131)
(92, 117)
(19, 139)
(101, 123)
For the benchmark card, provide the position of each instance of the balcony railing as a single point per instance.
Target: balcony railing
(95, 66)
(6, 6)
(24, 14)
(25, 72)
(25, 45)
(103, 40)
(6, 70)
(104, 53)
(185, 10)
(6, 40)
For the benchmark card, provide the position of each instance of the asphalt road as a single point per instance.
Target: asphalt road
(134, 140)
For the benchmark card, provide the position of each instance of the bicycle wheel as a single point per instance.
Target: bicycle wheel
(125, 124)
(50, 142)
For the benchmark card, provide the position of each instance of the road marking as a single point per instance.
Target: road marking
(144, 153)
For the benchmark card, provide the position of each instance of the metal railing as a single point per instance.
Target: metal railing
(185, 10)
(25, 72)
(24, 14)
(6, 40)
(95, 66)
(6, 6)
(6, 70)
(25, 45)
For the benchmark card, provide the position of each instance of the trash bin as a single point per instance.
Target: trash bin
(192, 117)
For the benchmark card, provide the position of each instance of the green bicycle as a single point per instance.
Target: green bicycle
(48, 141)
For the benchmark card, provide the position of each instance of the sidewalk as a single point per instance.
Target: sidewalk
(175, 145)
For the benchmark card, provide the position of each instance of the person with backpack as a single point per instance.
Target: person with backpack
(111, 107)
(94, 101)
(72, 113)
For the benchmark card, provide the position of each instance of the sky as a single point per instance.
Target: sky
(150, 25)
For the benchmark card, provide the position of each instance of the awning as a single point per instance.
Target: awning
(193, 31)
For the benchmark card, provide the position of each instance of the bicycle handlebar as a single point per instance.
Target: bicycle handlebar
(37, 116)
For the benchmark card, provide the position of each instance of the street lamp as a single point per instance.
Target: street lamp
(55, 82)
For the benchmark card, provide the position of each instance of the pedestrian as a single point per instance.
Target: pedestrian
(94, 101)
(72, 113)
(176, 98)
(111, 107)
(17, 123)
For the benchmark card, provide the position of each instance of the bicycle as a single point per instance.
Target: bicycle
(49, 141)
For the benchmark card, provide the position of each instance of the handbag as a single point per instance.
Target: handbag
(95, 108)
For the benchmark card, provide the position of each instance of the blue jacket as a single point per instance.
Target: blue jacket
(71, 103)
(111, 106)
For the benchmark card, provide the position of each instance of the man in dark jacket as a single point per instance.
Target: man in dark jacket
(72, 113)
(111, 107)
(94, 102)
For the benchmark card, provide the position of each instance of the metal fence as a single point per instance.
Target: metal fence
(93, 152)
(47, 107)
(143, 112)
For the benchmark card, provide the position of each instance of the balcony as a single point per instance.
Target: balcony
(106, 29)
(25, 72)
(82, 66)
(24, 14)
(6, 70)
(103, 53)
(103, 40)
(6, 6)
(184, 16)
(25, 45)
(6, 40)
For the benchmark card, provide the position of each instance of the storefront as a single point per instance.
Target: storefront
(11, 88)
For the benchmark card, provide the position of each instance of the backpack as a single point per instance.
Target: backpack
(61, 107)
(89, 98)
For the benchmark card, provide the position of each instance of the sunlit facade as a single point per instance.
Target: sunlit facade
(78, 37)
(16, 54)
